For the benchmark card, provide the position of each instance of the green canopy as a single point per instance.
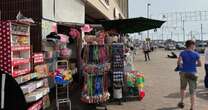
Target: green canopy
(132, 25)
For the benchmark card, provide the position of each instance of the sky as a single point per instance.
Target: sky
(138, 8)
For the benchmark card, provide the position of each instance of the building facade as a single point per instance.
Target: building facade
(46, 12)
(123, 5)
(96, 10)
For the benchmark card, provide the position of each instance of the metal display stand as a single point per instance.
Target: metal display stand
(62, 90)
(118, 71)
(95, 70)
(64, 98)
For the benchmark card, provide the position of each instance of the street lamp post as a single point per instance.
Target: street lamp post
(148, 15)
(162, 33)
(183, 28)
(202, 32)
(171, 35)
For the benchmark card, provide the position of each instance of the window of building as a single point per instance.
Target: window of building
(106, 3)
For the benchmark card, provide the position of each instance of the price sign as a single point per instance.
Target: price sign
(38, 58)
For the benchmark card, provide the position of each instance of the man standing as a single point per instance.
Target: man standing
(206, 67)
(188, 72)
(146, 50)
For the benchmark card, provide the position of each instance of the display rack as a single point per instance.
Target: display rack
(95, 70)
(15, 47)
(36, 90)
(60, 97)
(117, 70)
(15, 59)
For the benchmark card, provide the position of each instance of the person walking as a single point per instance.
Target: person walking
(188, 61)
(206, 67)
(146, 50)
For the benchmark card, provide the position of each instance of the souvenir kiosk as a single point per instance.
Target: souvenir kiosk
(133, 80)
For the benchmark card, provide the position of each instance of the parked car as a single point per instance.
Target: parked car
(161, 46)
(200, 47)
(170, 47)
(180, 46)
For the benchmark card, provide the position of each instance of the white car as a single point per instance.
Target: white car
(170, 47)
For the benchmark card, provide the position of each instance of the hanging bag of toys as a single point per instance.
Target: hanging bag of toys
(135, 83)
(63, 75)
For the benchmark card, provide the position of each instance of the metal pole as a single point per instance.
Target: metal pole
(202, 32)
(171, 35)
(178, 37)
(152, 35)
(184, 36)
(54, 9)
(202, 35)
(162, 33)
(141, 36)
(148, 13)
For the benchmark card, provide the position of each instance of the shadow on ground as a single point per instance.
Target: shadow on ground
(175, 95)
(201, 81)
(168, 108)
(203, 94)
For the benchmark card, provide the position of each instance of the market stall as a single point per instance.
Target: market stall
(133, 79)
(20, 62)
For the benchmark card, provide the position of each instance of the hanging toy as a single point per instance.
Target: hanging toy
(66, 52)
(67, 74)
(74, 33)
(101, 38)
(140, 81)
(57, 72)
(61, 78)
(64, 38)
(141, 94)
(54, 27)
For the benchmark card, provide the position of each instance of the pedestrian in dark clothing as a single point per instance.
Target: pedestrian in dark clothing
(173, 55)
(146, 50)
(206, 68)
(12, 97)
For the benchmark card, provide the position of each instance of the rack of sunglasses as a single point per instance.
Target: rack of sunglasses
(95, 71)
(117, 70)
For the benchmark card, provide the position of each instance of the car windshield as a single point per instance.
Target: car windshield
(201, 45)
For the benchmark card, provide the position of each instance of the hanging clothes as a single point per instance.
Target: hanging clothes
(91, 53)
(102, 54)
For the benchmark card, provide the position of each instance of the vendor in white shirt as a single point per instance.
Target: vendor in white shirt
(206, 67)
